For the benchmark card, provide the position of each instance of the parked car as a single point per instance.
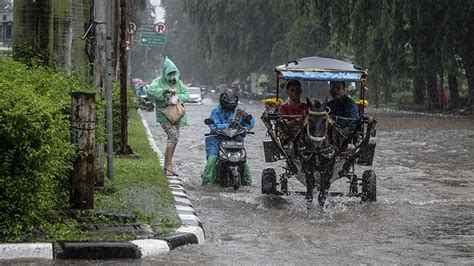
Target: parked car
(195, 95)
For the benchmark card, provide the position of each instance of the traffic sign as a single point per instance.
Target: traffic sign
(132, 28)
(160, 27)
(149, 36)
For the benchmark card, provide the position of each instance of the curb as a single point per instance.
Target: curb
(193, 229)
(398, 111)
(192, 232)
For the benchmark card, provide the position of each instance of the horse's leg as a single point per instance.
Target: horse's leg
(325, 176)
(323, 189)
(310, 183)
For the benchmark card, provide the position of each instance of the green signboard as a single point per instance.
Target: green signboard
(149, 37)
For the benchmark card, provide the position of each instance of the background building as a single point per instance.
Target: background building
(6, 22)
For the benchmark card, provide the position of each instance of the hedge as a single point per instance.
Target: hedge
(36, 153)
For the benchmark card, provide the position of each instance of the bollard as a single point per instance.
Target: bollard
(83, 136)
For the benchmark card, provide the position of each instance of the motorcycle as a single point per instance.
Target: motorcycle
(232, 155)
(143, 101)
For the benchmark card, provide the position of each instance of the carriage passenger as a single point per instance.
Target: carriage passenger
(293, 112)
(343, 111)
(342, 106)
(226, 115)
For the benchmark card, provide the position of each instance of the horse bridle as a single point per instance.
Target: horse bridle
(329, 121)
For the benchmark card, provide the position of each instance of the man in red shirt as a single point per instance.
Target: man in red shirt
(293, 111)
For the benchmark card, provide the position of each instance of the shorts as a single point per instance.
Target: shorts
(172, 131)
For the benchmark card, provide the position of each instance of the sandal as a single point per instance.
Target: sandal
(169, 172)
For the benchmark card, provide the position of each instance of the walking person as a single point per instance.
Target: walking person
(167, 90)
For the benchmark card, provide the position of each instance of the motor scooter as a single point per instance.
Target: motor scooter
(143, 101)
(232, 155)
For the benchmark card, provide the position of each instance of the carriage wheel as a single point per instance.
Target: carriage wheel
(268, 181)
(369, 186)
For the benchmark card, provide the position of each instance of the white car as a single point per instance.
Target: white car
(195, 95)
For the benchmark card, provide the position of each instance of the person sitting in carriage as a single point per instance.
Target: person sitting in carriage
(343, 111)
(293, 112)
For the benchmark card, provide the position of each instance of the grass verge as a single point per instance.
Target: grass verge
(141, 188)
(138, 190)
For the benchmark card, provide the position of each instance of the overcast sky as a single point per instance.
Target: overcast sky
(160, 13)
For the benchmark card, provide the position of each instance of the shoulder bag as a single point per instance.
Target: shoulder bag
(174, 112)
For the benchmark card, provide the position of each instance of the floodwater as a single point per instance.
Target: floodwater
(423, 214)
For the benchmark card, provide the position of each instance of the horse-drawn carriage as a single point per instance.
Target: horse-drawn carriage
(313, 155)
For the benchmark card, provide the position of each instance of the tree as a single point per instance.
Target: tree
(407, 45)
(50, 31)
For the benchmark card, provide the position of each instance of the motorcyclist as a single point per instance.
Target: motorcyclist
(226, 115)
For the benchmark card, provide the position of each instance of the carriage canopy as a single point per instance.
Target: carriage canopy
(317, 68)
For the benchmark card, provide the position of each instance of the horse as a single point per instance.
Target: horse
(316, 150)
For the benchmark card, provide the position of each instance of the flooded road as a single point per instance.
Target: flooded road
(423, 214)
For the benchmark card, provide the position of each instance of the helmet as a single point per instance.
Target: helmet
(228, 100)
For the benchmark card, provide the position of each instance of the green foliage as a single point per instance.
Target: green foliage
(396, 40)
(403, 98)
(25, 54)
(36, 153)
(5, 55)
(237, 37)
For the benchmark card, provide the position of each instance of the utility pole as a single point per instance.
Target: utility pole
(108, 51)
(146, 63)
(129, 59)
(83, 136)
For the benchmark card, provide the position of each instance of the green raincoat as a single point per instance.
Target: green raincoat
(160, 84)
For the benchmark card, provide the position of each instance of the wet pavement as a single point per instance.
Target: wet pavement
(423, 213)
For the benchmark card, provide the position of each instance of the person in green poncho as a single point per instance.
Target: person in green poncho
(159, 90)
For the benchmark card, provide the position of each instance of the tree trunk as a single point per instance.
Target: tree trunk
(100, 16)
(374, 91)
(123, 149)
(431, 89)
(31, 28)
(468, 63)
(387, 89)
(115, 37)
(418, 89)
(469, 67)
(467, 55)
(53, 31)
(418, 79)
(453, 91)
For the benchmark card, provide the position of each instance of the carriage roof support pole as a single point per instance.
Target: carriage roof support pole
(278, 87)
(363, 88)
(362, 96)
